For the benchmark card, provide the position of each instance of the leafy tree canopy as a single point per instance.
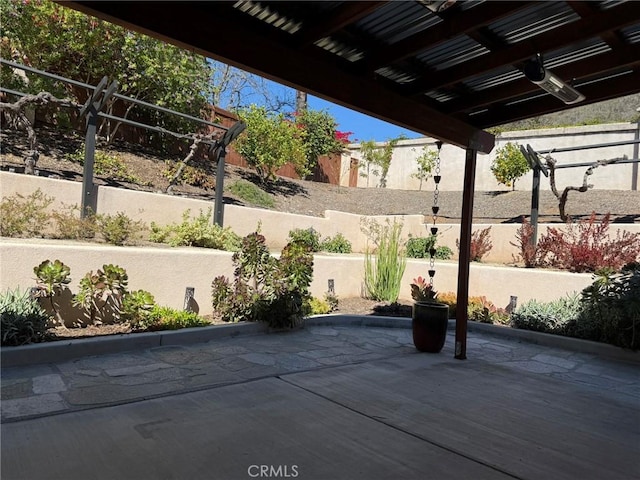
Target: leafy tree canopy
(509, 165)
(68, 43)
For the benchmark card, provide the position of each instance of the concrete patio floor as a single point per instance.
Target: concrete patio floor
(325, 402)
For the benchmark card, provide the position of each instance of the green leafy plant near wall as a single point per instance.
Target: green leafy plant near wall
(24, 216)
(53, 278)
(419, 247)
(109, 165)
(265, 288)
(22, 319)
(101, 294)
(251, 194)
(195, 232)
(384, 265)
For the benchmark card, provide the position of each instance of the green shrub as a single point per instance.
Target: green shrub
(24, 216)
(109, 165)
(384, 269)
(101, 294)
(611, 309)
(119, 228)
(317, 306)
(194, 176)
(555, 317)
(22, 319)
(265, 288)
(136, 307)
(271, 141)
(420, 247)
(53, 278)
(251, 194)
(336, 244)
(197, 232)
(69, 224)
(166, 318)
(307, 237)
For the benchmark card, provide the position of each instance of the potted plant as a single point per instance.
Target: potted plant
(429, 317)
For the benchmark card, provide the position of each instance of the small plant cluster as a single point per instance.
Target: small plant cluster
(251, 194)
(420, 247)
(422, 291)
(195, 232)
(103, 297)
(479, 309)
(22, 319)
(108, 164)
(265, 288)
(607, 311)
(582, 247)
(318, 306)
(28, 217)
(480, 244)
(190, 175)
(310, 238)
(384, 265)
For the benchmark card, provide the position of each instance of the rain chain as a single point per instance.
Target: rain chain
(434, 209)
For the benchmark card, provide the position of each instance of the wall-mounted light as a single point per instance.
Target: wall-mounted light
(536, 73)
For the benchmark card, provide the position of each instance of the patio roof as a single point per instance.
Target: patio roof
(445, 68)
(447, 74)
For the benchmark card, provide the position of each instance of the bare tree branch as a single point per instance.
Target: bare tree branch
(563, 197)
(18, 109)
(197, 141)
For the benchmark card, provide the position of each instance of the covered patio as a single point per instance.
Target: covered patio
(344, 398)
(446, 68)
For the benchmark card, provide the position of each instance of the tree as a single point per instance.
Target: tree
(321, 136)
(377, 159)
(270, 141)
(509, 165)
(426, 161)
(71, 44)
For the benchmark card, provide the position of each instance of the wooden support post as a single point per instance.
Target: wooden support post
(465, 254)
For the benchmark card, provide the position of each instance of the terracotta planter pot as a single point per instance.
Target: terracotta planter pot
(429, 325)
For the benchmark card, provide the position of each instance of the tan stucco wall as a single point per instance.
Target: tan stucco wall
(618, 177)
(166, 272)
(164, 209)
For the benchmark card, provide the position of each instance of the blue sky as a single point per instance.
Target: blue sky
(363, 127)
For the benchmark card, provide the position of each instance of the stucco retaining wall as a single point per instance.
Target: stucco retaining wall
(164, 209)
(613, 177)
(166, 272)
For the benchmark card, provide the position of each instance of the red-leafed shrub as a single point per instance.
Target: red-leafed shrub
(587, 246)
(480, 244)
(527, 251)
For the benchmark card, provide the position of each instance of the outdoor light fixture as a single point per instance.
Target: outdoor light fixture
(437, 6)
(536, 73)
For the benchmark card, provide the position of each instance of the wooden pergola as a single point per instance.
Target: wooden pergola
(445, 68)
